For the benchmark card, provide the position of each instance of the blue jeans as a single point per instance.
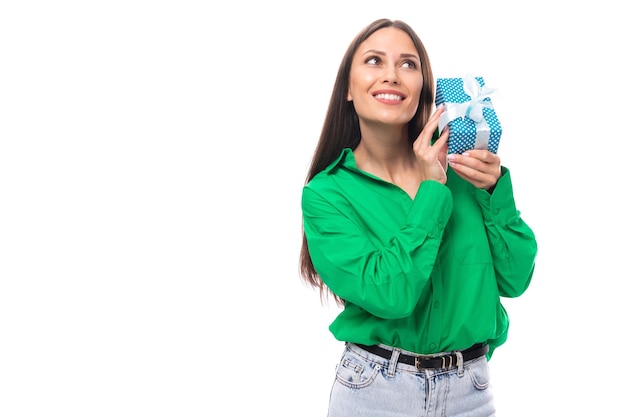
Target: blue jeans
(367, 385)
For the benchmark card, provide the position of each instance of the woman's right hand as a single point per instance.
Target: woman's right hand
(432, 158)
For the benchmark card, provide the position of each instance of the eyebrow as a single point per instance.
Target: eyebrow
(374, 51)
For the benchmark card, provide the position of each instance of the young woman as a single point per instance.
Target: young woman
(417, 246)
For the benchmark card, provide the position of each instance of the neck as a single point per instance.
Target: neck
(388, 155)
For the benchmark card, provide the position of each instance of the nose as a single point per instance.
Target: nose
(391, 75)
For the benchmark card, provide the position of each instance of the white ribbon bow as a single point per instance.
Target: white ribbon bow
(472, 109)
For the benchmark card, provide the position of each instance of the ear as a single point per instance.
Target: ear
(349, 95)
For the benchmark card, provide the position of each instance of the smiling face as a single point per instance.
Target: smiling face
(386, 78)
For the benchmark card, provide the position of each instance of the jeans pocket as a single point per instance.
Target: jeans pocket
(479, 373)
(356, 372)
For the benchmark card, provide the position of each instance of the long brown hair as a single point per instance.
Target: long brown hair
(341, 125)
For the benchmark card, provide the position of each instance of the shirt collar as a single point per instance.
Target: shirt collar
(345, 159)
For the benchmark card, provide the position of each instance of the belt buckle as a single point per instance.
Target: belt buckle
(423, 357)
(445, 359)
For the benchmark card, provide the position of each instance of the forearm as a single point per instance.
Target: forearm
(513, 243)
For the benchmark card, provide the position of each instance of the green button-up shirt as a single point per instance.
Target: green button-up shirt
(424, 274)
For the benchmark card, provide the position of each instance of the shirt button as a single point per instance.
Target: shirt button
(432, 346)
(496, 211)
(440, 226)
(436, 305)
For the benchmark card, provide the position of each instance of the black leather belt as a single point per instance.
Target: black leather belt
(449, 360)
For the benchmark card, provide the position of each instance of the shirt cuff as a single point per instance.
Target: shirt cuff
(499, 206)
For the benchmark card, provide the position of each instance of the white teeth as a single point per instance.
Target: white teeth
(388, 96)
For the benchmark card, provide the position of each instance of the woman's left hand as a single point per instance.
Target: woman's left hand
(479, 167)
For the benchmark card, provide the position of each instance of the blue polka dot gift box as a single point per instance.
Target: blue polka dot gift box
(469, 113)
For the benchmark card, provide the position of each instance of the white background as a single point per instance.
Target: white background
(152, 155)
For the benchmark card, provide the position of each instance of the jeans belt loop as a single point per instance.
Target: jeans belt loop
(459, 360)
(393, 362)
